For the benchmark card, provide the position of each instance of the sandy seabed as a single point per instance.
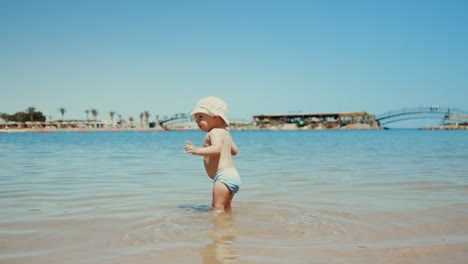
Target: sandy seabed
(252, 233)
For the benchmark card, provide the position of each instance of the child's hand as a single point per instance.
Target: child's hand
(189, 147)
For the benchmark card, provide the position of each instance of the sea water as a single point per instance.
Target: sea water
(389, 196)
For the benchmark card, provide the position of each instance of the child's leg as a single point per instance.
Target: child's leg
(222, 197)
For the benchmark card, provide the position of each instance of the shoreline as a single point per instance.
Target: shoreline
(444, 128)
(71, 130)
(76, 130)
(288, 127)
(189, 127)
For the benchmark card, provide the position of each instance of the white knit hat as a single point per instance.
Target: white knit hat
(212, 106)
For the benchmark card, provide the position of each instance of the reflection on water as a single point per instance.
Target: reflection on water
(221, 250)
(198, 208)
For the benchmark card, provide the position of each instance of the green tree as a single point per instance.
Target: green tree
(38, 116)
(366, 118)
(62, 111)
(112, 113)
(95, 113)
(23, 116)
(31, 110)
(141, 119)
(147, 115)
(19, 117)
(87, 112)
(4, 117)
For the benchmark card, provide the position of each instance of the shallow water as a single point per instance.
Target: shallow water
(398, 196)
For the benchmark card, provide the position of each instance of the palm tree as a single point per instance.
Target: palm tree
(62, 111)
(141, 119)
(147, 115)
(112, 113)
(87, 112)
(131, 121)
(95, 113)
(31, 111)
(4, 117)
(366, 117)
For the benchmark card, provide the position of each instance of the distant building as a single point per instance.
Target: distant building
(325, 120)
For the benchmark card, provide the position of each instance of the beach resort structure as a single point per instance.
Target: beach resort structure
(75, 125)
(358, 120)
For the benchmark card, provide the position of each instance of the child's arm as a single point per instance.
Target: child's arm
(213, 150)
(234, 148)
(202, 151)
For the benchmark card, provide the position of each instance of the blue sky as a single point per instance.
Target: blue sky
(262, 57)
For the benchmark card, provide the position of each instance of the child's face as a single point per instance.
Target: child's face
(205, 122)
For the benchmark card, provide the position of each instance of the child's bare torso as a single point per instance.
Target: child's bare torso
(224, 159)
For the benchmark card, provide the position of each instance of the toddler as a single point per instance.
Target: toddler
(210, 113)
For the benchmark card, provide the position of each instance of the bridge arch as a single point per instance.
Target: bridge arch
(168, 121)
(444, 114)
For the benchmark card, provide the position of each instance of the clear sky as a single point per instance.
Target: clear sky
(262, 57)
